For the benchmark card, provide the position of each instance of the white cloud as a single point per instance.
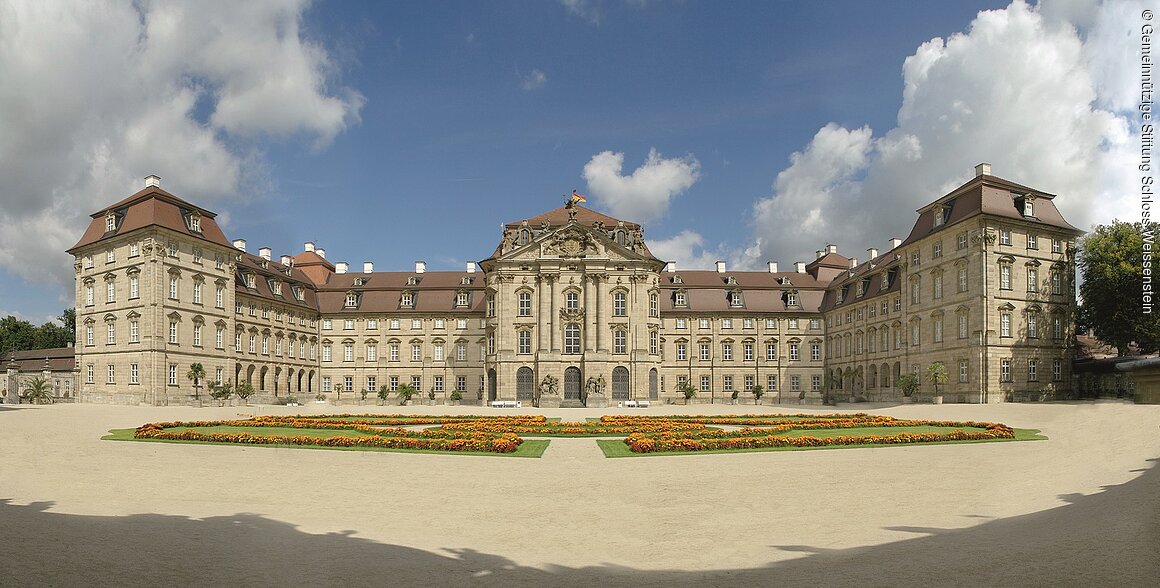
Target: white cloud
(1042, 98)
(585, 9)
(534, 80)
(97, 95)
(645, 195)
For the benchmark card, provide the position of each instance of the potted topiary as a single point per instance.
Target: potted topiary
(733, 397)
(320, 398)
(908, 383)
(363, 397)
(758, 392)
(244, 391)
(936, 374)
(455, 398)
(405, 392)
(431, 397)
(384, 392)
(688, 391)
(220, 392)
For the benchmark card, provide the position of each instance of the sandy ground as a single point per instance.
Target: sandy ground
(1082, 509)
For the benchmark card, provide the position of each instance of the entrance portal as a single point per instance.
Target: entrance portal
(490, 385)
(572, 386)
(652, 384)
(620, 385)
(525, 385)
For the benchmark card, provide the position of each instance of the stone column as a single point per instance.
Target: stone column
(13, 396)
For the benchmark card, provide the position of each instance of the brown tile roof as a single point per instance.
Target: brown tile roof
(708, 291)
(60, 359)
(382, 291)
(560, 216)
(152, 207)
(875, 269)
(253, 263)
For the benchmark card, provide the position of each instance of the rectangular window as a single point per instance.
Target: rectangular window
(416, 324)
(461, 352)
(619, 304)
(461, 383)
(134, 374)
(173, 288)
(461, 324)
(196, 335)
(393, 383)
(372, 383)
(962, 241)
(112, 374)
(393, 351)
(815, 352)
(726, 324)
(1005, 277)
(793, 352)
(795, 383)
(111, 335)
(749, 382)
(1032, 241)
(326, 324)
(253, 348)
(1005, 370)
(792, 323)
(110, 291)
(134, 249)
(326, 383)
(437, 383)
(727, 383)
(963, 366)
(1056, 370)
(438, 351)
(1033, 370)
(219, 339)
(173, 374)
(705, 383)
(394, 324)
(417, 382)
(938, 331)
(1032, 279)
(747, 351)
(173, 331)
(771, 323)
(416, 352)
(682, 352)
(771, 382)
(348, 383)
(326, 353)
(816, 383)
(1056, 282)
(937, 250)
(1033, 326)
(440, 324)
(653, 342)
(1056, 246)
(703, 323)
(348, 324)
(89, 374)
(704, 351)
(372, 353)
(1004, 237)
(770, 351)
(681, 323)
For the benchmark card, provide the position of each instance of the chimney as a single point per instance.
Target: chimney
(265, 253)
(853, 262)
(799, 267)
(772, 267)
(368, 267)
(895, 242)
(471, 267)
(420, 267)
(983, 169)
(831, 248)
(873, 253)
(720, 267)
(321, 253)
(240, 245)
(287, 260)
(308, 246)
(820, 253)
(341, 267)
(152, 181)
(671, 266)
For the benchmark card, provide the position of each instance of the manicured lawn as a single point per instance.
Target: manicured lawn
(529, 448)
(617, 448)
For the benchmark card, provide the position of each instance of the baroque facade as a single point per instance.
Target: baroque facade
(572, 309)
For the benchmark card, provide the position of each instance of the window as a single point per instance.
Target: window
(524, 342)
(1005, 370)
(619, 304)
(490, 305)
(816, 383)
(134, 286)
(727, 351)
(220, 337)
(407, 299)
(416, 352)
(1033, 326)
(461, 352)
(681, 323)
(372, 352)
(110, 222)
(253, 348)
(1056, 326)
(726, 324)
(705, 383)
(1005, 324)
(1005, 276)
(793, 323)
(727, 383)
(962, 241)
(524, 303)
(1032, 239)
(771, 323)
(348, 383)
(936, 251)
(791, 299)
(461, 299)
(682, 352)
(938, 329)
(110, 291)
(437, 351)
(771, 382)
(461, 324)
(735, 299)
(440, 324)
(793, 352)
(1056, 282)
(372, 324)
(915, 290)
(1056, 246)
(1056, 370)
(134, 331)
(704, 350)
(173, 331)
(815, 352)
(393, 352)
(88, 294)
(197, 292)
(173, 374)
(238, 342)
(326, 383)
(347, 324)
(771, 351)
(679, 299)
(962, 325)
(218, 373)
(1032, 279)
(962, 279)
(916, 258)
(1033, 370)
(1004, 236)
(620, 341)
(111, 335)
(417, 382)
(438, 383)
(897, 305)
(89, 374)
(461, 383)
(654, 305)
(747, 351)
(173, 287)
(197, 255)
(703, 323)
(653, 342)
(416, 324)
(348, 352)
(572, 300)
(219, 297)
(351, 300)
(394, 324)
(265, 345)
(938, 285)
(795, 383)
(816, 324)
(491, 345)
(196, 335)
(372, 383)
(915, 332)
(963, 366)
(326, 353)
(134, 373)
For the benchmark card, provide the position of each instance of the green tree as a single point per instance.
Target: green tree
(220, 392)
(688, 390)
(908, 383)
(16, 334)
(38, 391)
(195, 374)
(244, 390)
(1112, 261)
(405, 392)
(936, 373)
(758, 392)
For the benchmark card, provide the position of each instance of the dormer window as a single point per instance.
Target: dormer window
(466, 281)
(732, 281)
(360, 281)
(461, 299)
(194, 220)
(413, 281)
(110, 222)
(407, 299)
(735, 298)
(351, 300)
(250, 280)
(938, 214)
(677, 280)
(1028, 208)
(680, 299)
(791, 298)
(300, 293)
(277, 288)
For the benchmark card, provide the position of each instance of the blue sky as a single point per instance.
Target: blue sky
(397, 131)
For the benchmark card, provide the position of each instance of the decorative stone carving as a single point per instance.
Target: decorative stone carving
(572, 315)
(571, 243)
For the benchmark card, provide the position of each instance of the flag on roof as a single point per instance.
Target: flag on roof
(578, 197)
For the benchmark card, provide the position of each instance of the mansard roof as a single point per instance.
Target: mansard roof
(271, 269)
(708, 291)
(152, 207)
(381, 292)
(561, 216)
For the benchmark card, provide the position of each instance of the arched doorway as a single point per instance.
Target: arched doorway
(525, 385)
(301, 374)
(491, 385)
(262, 378)
(310, 382)
(277, 376)
(620, 385)
(652, 384)
(572, 384)
(249, 375)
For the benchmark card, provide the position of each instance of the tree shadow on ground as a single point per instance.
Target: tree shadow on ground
(1107, 538)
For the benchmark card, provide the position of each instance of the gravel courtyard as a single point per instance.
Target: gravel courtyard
(1081, 509)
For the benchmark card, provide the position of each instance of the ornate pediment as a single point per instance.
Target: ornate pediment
(570, 242)
(572, 314)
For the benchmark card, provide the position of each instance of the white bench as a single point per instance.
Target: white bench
(635, 404)
(507, 404)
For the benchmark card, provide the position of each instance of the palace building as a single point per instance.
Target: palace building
(572, 309)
